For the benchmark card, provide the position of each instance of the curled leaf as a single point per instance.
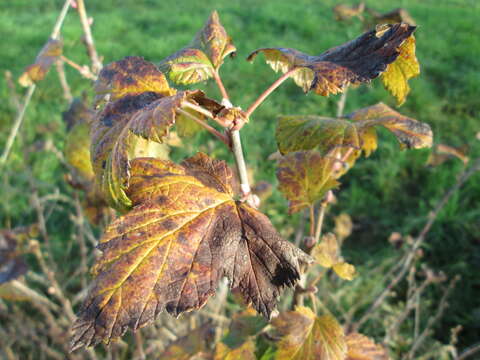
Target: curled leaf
(199, 60)
(406, 66)
(305, 177)
(184, 233)
(35, 72)
(356, 61)
(304, 336)
(195, 343)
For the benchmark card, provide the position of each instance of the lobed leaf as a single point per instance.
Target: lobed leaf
(395, 78)
(295, 133)
(356, 61)
(141, 109)
(37, 71)
(305, 177)
(199, 60)
(361, 347)
(304, 336)
(184, 233)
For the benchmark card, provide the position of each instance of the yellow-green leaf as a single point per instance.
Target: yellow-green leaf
(345, 270)
(327, 254)
(199, 60)
(304, 336)
(305, 177)
(405, 67)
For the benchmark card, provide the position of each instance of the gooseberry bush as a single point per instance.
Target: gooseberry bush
(183, 227)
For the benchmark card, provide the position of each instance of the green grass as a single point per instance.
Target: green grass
(390, 191)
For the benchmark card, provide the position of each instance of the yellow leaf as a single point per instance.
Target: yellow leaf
(246, 351)
(405, 67)
(304, 336)
(345, 270)
(326, 252)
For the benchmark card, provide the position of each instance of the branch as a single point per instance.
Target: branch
(267, 92)
(67, 94)
(470, 351)
(210, 129)
(84, 70)
(219, 82)
(410, 256)
(92, 52)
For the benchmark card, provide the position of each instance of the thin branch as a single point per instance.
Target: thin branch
(84, 70)
(469, 352)
(16, 125)
(92, 52)
(341, 102)
(61, 17)
(220, 85)
(67, 93)
(268, 91)
(206, 126)
(321, 216)
(410, 256)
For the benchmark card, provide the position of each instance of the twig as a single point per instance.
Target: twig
(469, 351)
(67, 94)
(341, 102)
(13, 91)
(84, 70)
(321, 216)
(432, 320)
(410, 256)
(206, 126)
(241, 166)
(16, 125)
(220, 85)
(92, 52)
(267, 92)
(18, 120)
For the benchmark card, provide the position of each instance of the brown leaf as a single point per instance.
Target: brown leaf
(442, 153)
(345, 12)
(50, 52)
(199, 60)
(356, 61)
(305, 177)
(129, 77)
(184, 233)
(308, 337)
(361, 347)
(395, 16)
(142, 107)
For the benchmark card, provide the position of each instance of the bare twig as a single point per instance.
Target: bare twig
(341, 102)
(270, 89)
(84, 70)
(321, 216)
(67, 94)
(410, 256)
(210, 129)
(92, 51)
(469, 352)
(61, 17)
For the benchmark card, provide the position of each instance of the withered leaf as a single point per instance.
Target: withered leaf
(50, 52)
(356, 61)
(141, 110)
(184, 233)
(442, 153)
(305, 177)
(406, 66)
(361, 347)
(304, 336)
(199, 60)
(295, 133)
(194, 343)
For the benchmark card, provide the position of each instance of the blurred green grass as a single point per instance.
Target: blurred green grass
(390, 191)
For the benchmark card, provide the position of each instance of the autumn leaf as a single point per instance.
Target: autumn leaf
(246, 351)
(142, 109)
(395, 16)
(361, 347)
(193, 344)
(12, 263)
(295, 133)
(442, 153)
(327, 254)
(406, 66)
(203, 57)
(304, 336)
(184, 232)
(35, 72)
(343, 226)
(305, 177)
(356, 61)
